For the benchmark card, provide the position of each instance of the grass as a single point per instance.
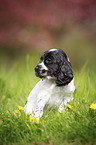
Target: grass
(71, 127)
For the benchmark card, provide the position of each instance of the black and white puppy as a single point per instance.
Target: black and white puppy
(56, 86)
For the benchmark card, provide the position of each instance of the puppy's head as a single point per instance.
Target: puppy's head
(55, 63)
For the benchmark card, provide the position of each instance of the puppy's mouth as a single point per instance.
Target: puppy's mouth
(41, 73)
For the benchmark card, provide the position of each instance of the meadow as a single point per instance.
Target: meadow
(75, 125)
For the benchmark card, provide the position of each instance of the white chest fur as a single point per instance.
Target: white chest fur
(46, 92)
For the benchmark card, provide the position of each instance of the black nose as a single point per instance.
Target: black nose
(36, 67)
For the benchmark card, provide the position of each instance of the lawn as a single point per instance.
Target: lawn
(71, 127)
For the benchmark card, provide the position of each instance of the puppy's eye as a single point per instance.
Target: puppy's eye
(48, 59)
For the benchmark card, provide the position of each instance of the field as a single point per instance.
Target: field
(74, 126)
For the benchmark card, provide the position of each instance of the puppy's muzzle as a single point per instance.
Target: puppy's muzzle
(40, 72)
(36, 68)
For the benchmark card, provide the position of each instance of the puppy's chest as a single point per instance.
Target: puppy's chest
(55, 99)
(55, 94)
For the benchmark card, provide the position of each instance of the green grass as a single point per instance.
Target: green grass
(71, 127)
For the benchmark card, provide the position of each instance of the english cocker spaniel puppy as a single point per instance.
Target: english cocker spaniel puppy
(56, 85)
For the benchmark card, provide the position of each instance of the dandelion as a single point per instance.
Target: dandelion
(8, 112)
(29, 114)
(69, 106)
(17, 111)
(34, 120)
(2, 113)
(93, 106)
(20, 107)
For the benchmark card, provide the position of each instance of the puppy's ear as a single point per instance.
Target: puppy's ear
(65, 73)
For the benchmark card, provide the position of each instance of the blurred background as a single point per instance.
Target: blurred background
(34, 26)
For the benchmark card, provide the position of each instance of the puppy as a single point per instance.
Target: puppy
(56, 85)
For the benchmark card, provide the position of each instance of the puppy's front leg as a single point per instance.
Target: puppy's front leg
(41, 101)
(64, 103)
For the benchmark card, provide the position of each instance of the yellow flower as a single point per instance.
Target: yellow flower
(69, 106)
(29, 114)
(20, 107)
(8, 112)
(17, 111)
(34, 120)
(93, 106)
(2, 113)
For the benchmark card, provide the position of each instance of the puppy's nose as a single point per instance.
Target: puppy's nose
(36, 67)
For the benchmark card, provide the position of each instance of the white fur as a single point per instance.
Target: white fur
(53, 49)
(46, 92)
(43, 66)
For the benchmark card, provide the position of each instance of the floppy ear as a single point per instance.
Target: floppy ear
(65, 74)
